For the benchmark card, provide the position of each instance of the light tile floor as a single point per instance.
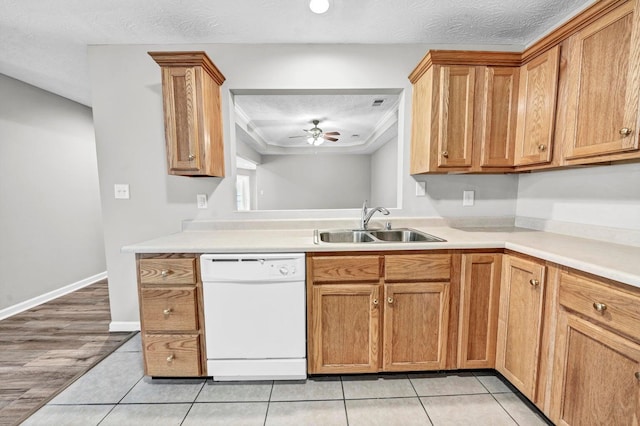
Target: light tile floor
(115, 392)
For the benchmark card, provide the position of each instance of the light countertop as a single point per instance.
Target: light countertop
(614, 261)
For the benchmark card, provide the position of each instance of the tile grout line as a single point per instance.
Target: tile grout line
(266, 414)
(505, 410)
(193, 402)
(344, 401)
(420, 400)
(495, 399)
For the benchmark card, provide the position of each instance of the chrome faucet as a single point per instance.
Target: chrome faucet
(366, 213)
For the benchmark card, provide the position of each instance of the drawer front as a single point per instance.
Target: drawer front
(333, 269)
(417, 267)
(169, 309)
(172, 355)
(168, 271)
(617, 309)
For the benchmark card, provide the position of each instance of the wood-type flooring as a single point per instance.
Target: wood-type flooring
(44, 349)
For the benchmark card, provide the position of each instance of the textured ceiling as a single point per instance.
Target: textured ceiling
(44, 42)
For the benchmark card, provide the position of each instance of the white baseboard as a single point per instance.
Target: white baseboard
(39, 300)
(115, 326)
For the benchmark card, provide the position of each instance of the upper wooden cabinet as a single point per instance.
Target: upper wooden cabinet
(603, 87)
(571, 98)
(463, 112)
(192, 113)
(537, 108)
(498, 124)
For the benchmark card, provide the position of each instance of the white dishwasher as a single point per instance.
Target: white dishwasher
(255, 316)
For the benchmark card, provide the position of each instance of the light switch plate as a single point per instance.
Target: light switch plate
(421, 189)
(468, 198)
(201, 201)
(121, 191)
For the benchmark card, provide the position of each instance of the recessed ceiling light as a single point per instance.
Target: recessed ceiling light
(319, 6)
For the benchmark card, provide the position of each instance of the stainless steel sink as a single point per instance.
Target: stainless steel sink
(404, 236)
(400, 235)
(346, 237)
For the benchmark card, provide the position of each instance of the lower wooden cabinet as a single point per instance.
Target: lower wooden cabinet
(520, 322)
(171, 316)
(344, 328)
(172, 355)
(479, 299)
(361, 321)
(597, 363)
(416, 319)
(569, 341)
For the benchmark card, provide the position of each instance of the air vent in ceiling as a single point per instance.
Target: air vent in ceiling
(377, 102)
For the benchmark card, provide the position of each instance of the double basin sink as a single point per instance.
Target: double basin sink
(400, 235)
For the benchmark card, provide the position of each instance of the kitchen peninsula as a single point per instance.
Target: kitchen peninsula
(541, 308)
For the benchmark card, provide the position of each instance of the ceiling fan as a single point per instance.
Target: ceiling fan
(315, 135)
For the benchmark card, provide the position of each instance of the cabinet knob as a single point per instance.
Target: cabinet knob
(167, 312)
(165, 273)
(534, 282)
(375, 302)
(390, 300)
(445, 154)
(625, 131)
(542, 147)
(170, 358)
(637, 375)
(600, 307)
(191, 157)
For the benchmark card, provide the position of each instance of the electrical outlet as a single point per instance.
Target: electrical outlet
(421, 189)
(121, 191)
(468, 198)
(201, 201)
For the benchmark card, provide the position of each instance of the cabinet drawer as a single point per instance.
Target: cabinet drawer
(617, 309)
(328, 269)
(169, 309)
(168, 271)
(417, 267)
(172, 355)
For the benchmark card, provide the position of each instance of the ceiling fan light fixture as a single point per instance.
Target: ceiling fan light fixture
(315, 140)
(319, 6)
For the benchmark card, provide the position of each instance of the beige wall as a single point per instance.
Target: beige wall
(51, 232)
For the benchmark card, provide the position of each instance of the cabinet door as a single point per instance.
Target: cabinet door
(416, 319)
(597, 375)
(480, 292)
(500, 109)
(172, 355)
(344, 328)
(455, 110)
(169, 309)
(520, 323)
(538, 90)
(180, 90)
(603, 69)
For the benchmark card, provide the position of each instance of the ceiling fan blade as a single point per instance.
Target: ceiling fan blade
(329, 138)
(332, 133)
(301, 136)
